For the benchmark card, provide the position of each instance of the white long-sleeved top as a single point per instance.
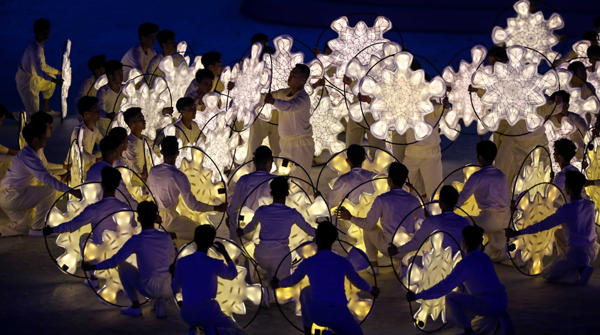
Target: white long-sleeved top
(276, 221)
(391, 207)
(33, 62)
(490, 188)
(346, 182)
(135, 155)
(167, 182)
(577, 220)
(196, 276)
(559, 179)
(25, 168)
(96, 215)
(449, 222)
(49, 166)
(89, 140)
(476, 271)
(326, 273)
(94, 174)
(4, 156)
(86, 88)
(109, 101)
(154, 251)
(185, 134)
(137, 58)
(243, 187)
(294, 116)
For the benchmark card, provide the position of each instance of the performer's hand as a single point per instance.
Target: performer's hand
(85, 266)
(445, 103)
(47, 231)
(230, 85)
(316, 50)
(275, 283)
(448, 88)
(159, 219)
(472, 89)
(167, 111)
(319, 83)
(76, 193)
(58, 81)
(240, 232)
(221, 208)
(220, 248)
(347, 80)
(269, 99)
(392, 250)
(410, 296)
(375, 291)
(13, 152)
(364, 98)
(65, 178)
(344, 214)
(59, 73)
(510, 233)
(317, 194)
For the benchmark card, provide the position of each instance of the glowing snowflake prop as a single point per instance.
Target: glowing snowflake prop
(66, 75)
(580, 48)
(592, 172)
(402, 99)
(534, 247)
(77, 162)
(460, 97)
(219, 145)
(119, 121)
(514, 90)
(251, 77)
(470, 206)
(179, 77)
(326, 125)
(537, 172)
(231, 294)
(437, 264)
(567, 127)
(577, 104)
(211, 103)
(151, 101)
(135, 186)
(531, 31)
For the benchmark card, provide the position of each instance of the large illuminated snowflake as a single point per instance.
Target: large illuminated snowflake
(326, 126)
(437, 264)
(66, 75)
(514, 90)
(567, 127)
(402, 99)
(580, 49)
(460, 97)
(112, 241)
(151, 101)
(231, 294)
(179, 77)
(135, 186)
(577, 104)
(470, 206)
(592, 172)
(534, 247)
(537, 172)
(211, 103)
(218, 145)
(531, 31)
(251, 77)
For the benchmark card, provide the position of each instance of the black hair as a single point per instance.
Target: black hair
(499, 53)
(41, 25)
(259, 37)
(164, 35)
(146, 29)
(96, 62)
(356, 155)
(280, 187)
(304, 70)
(574, 181)
(487, 150)
(111, 178)
(130, 113)
(184, 102)
(204, 236)
(566, 97)
(118, 132)
(86, 103)
(565, 148)
(591, 36)
(42, 117)
(449, 195)
(575, 66)
(204, 73)
(111, 66)
(210, 58)
(262, 155)
(398, 173)
(109, 145)
(33, 130)
(593, 51)
(147, 212)
(326, 233)
(473, 236)
(169, 146)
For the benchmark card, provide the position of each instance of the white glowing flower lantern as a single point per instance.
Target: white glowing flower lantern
(101, 81)
(66, 75)
(577, 104)
(580, 48)
(402, 99)
(211, 103)
(326, 126)
(514, 90)
(77, 169)
(437, 264)
(531, 31)
(459, 97)
(179, 77)
(231, 293)
(535, 173)
(567, 127)
(251, 77)
(218, 145)
(151, 101)
(533, 247)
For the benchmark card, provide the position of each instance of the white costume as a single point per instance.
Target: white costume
(85, 89)
(261, 130)
(486, 297)
(90, 138)
(94, 174)
(186, 135)
(54, 169)
(154, 253)
(295, 131)
(135, 156)
(493, 198)
(138, 59)
(196, 276)
(347, 182)
(34, 76)
(276, 222)
(167, 183)
(5, 160)
(577, 222)
(389, 208)
(109, 103)
(243, 187)
(559, 179)
(449, 222)
(18, 196)
(324, 302)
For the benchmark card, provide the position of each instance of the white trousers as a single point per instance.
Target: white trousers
(337, 318)
(424, 161)
(462, 308)
(181, 226)
(493, 223)
(19, 205)
(355, 134)
(29, 88)
(210, 317)
(375, 241)
(565, 268)
(259, 131)
(269, 256)
(152, 288)
(301, 150)
(399, 151)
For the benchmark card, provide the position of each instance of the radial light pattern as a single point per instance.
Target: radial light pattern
(514, 90)
(577, 104)
(211, 103)
(66, 75)
(219, 144)
(326, 125)
(537, 172)
(179, 77)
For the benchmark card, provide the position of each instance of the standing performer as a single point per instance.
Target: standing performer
(139, 56)
(96, 66)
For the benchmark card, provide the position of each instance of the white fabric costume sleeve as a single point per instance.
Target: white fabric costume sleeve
(35, 166)
(40, 66)
(85, 217)
(420, 236)
(468, 190)
(372, 218)
(298, 104)
(561, 215)
(302, 224)
(455, 278)
(185, 189)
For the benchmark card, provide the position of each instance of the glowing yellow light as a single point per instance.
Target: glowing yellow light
(592, 172)
(151, 100)
(537, 172)
(179, 77)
